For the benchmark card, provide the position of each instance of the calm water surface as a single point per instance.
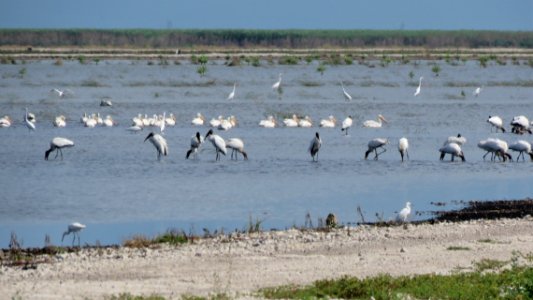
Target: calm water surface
(112, 182)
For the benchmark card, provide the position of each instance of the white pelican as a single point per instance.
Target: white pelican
(418, 89)
(236, 145)
(496, 147)
(84, 118)
(57, 144)
(137, 121)
(346, 124)
(135, 128)
(75, 229)
(226, 124)
(374, 144)
(346, 95)
(404, 214)
(403, 146)
(291, 122)
(217, 142)
(196, 142)
(306, 122)
(198, 120)
(314, 146)
(232, 94)
(108, 121)
(477, 91)
(277, 85)
(451, 148)
(521, 147)
(330, 122)
(159, 143)
(60, 121)
(171, 120)
(520, 125)
(269, 122)
(216, 122)
(90, 122)
(99, 119)
(5, 122)
(459, 140)
(29, 124)
(374, 123)
(497, 122)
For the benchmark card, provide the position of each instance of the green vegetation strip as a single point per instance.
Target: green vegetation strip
(515, 283)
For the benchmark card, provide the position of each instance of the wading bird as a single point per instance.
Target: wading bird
(477, 91)
(453, 149)
(345, 93)
(404, 214)
(522, 147)
(217, 142)
(403, 146)
(159, 143)
(314, 146)
(61, 93)
(419, 88)
(497, 122)
(277, 85)
(29, 124)
(196, 142)
(459, 140)
(520, 125)
(346, 124)
(75, 229)
(374, 123)
(496, 147)
(236, 145)
(57, 144)
(374, 144)
(232, 94)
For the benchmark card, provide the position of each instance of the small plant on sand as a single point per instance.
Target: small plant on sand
(288, 60)
(458, 248)
(202, 69)
(173, 237)
(411, 74)
(436, 70)
(321, 68)
(137, 241)
(488, 264)
(22, 72)
(81, 59)
(483, 61)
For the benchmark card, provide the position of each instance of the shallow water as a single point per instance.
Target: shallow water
(112, 181)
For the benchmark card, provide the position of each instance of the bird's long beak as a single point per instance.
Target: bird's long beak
(384, 120)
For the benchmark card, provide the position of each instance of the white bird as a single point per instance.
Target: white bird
(31, 118)
(196, 142)
(269, 122)
(135, 128)
(346, 124)
(374, 144)
(198, 120)
(236, 145)
(314, 146)
(403, 146)
(217, 142)
(404, 214)
(291, 122)
(5, 122)
(106, 102)
(522, 147)
(453, 149)
(459, 140)
(419, 88)
(346, 95)
(227, 124)
(496, 147)
(477, 91)
(61, 93)
(60, 121)
(57, 144)
(215, 122)
(171, 120)
(374, 123)
(330, 122)
(108, 121)
(277, 85)
(306, 122)
(520, 125)
(159, 143)
(75, 229)
(29, 124)
(232, 94)
(163, 122)
(497, 122)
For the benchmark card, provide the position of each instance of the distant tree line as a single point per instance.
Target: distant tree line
(292, 39)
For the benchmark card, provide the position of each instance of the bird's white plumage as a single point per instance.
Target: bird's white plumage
(232, 94)
(306, 122)
(346, 124)
(403, 146)
(375, 123)
(419, 88)
(330, 122)
(75, 229)
(497, 122)
(5, 122)
(236, 145)
(453, 149)
(458, 139)
(28, 123)
(404, 214)
(277, 85)
(314, 146)
(345, 93)
(291, 122)
(198, 120)
(522, 147)
(217, 142)
(159, 142)
(477, 91)
(269, 122)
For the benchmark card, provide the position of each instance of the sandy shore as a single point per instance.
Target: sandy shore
(241, 264)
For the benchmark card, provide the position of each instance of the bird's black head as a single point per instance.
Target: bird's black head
(210, 132)
(198, 135)
(458, 135)
(317, 136)
(151, 134)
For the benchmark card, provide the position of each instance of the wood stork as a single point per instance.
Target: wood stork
(277, 85)
(198, 120)
(232, 94)
(375, 123)
(419, 88)
(522, 147)
(496, 147)
(57, 144)
(314, 146)
(497, 122)
(374, 144)
(347, 96)
(403, 146)
(5, 122)
(196, 142)
(346, 124)
(29, 124)
(459, 140)
(269, 122)
(291, 122)
(236, 145)
(159, 143)
(330, 122)
(75, 229)
(477, 91)
(453, 149)
(520, 125)
(404, 214)
(217, 142)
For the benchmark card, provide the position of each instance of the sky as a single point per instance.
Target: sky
(269, 14)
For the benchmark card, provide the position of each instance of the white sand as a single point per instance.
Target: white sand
(240, 265)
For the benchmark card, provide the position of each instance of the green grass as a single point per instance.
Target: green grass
(128, 296)
(458, 248)
(516, 283)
